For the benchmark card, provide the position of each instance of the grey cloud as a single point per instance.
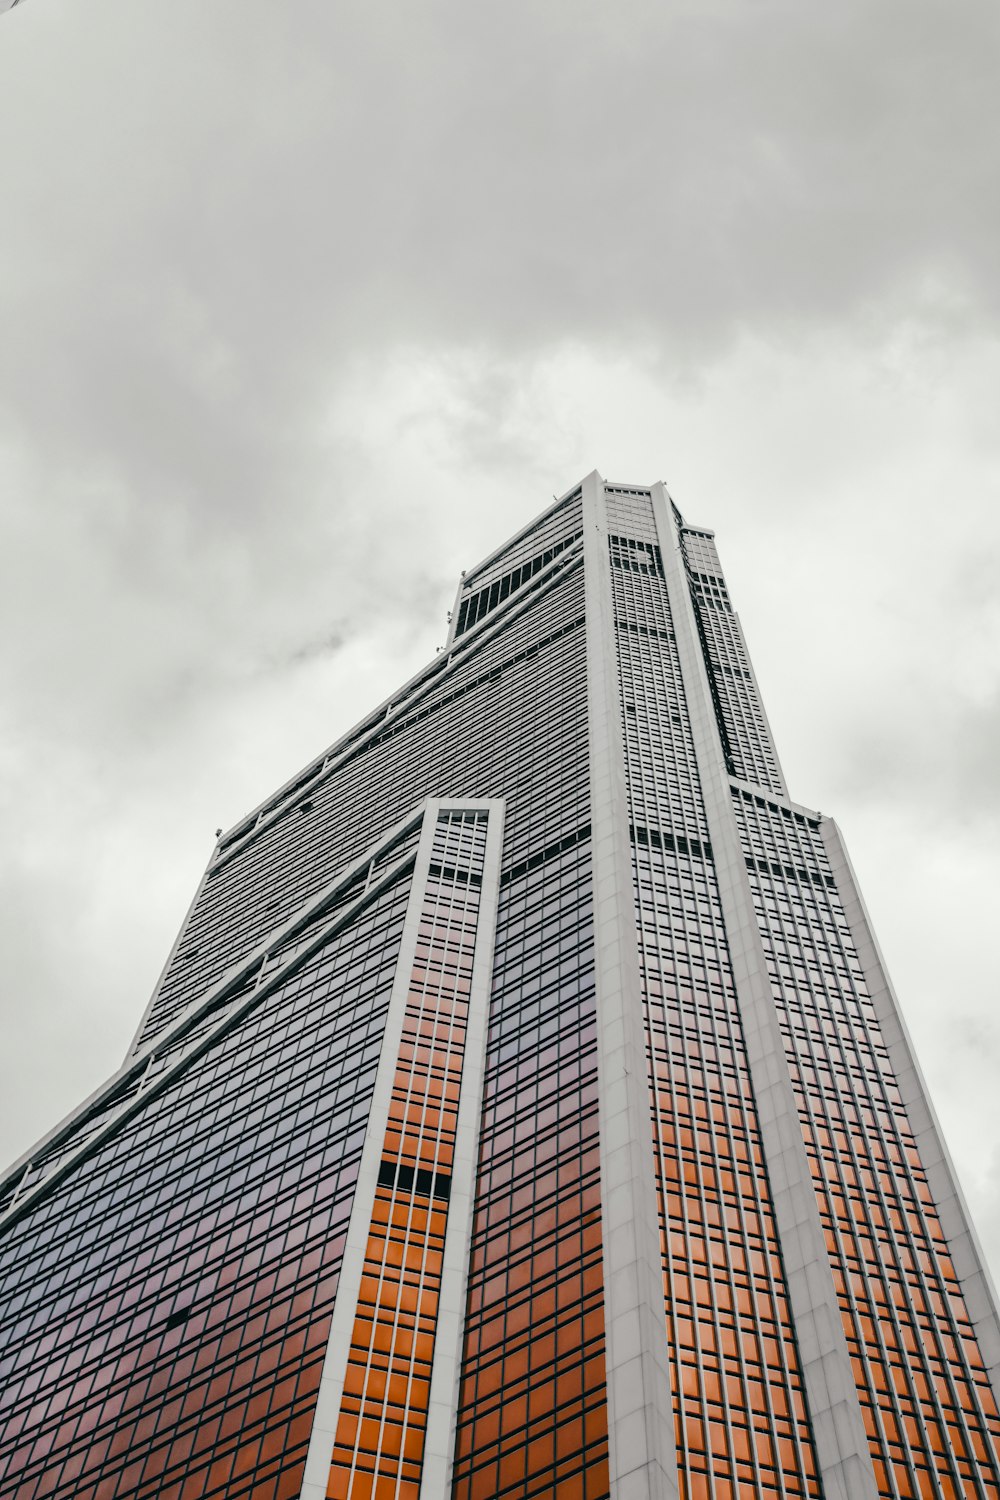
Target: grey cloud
(518, 175)
(221, 209)
(221, 224)
(325, 645)
(917, 733)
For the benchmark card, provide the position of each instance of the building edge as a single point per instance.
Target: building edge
(966, 1252)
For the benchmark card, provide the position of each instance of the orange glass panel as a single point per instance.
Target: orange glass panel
(532, 1417)
(379, 1441)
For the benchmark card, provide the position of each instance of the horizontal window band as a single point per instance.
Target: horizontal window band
(675, 843)
(662, 635)
(627, 545)
(791, 872)
(524, 538)
(773, 804)
(634, 564)
(712, 601)
(418, 1180)
(533, 862)
(476, 606)
(454, 875)
(634, 556)
(493, 675)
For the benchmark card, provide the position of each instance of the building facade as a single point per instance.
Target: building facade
(523, 1110)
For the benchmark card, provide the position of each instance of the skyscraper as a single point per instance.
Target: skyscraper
(523, 1110)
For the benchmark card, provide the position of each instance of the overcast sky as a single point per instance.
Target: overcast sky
(304, 308)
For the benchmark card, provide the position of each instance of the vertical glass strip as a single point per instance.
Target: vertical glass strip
(532, 1417)
(378, 1449)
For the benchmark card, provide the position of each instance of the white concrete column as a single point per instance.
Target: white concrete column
(640, 1414)
(842, 1450)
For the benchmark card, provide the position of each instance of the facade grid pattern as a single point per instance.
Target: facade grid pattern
(741, 1422)
(630, 513)
(929, 1411)
(170, 1257)
(166, 1308)
(477, 606)
(380, 1436)
(441, 750)
(532, 1418)
(505, 723)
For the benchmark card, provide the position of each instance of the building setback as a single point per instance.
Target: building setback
(523, 1111)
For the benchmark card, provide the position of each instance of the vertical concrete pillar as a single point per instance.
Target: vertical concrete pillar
(640, 1415)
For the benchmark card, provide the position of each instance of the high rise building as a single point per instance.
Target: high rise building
(523, 1110)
